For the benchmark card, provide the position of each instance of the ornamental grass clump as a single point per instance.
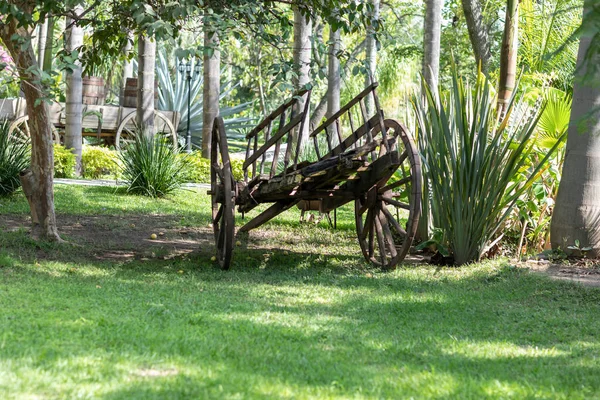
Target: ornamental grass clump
(476, 164)
(151, 167)
(14, 158)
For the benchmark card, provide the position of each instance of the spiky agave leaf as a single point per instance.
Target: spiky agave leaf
(14, 158)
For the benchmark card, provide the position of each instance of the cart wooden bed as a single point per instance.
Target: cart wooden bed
(352, 157)
(115, 125)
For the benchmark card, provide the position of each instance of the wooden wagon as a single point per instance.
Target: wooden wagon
(352, 157)
(115, 125)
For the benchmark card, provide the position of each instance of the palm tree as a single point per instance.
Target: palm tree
(576, 218)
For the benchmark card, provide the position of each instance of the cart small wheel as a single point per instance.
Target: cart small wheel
(383, 239)
(127, 129)
(222, 194)
(20, 131)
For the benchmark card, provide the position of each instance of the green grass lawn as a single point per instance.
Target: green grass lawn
(300, 315)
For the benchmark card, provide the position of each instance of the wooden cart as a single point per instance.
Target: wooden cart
(353, 156)
(115, 125)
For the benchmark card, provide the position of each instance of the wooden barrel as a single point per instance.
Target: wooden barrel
(130, 93)
(93, 90)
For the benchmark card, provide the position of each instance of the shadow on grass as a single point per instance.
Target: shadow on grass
(307, 329)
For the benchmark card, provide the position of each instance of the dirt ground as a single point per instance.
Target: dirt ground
(122, 238)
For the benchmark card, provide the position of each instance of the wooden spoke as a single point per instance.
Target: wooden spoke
(375, 222)
(222, 195)
(20, 131)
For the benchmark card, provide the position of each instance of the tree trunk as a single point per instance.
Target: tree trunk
(371, 51)
(47, 64)
(478, 33)
(508, 55)
(145, 93)
(333, 76)
(42, 35)
(302, 53)
(37, 181)
(432, 28)
(212, 85)
(576, 214)
(74, 94)
(127, 66)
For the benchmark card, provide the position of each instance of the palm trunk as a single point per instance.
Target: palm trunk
(47, 64)
(212, 85)
(37, 181)
(477, 33)
(127, 66)
(145, 93)
(302, 53)
(371, 51)
(432, 28)
(576, 214)
(508, 55)
(74, 95)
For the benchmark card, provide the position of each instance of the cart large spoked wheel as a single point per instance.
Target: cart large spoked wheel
(126, 130)
(222, 194)
(20, 131)
(383, 238)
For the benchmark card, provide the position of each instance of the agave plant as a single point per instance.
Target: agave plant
(173, 96)
(473, 162)
(14, 158)
(151, 167)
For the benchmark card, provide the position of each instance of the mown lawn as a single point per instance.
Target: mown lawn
(300, 315)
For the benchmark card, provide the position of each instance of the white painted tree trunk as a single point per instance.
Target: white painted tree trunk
(302, 53)
(74, 94)
(333, 76)
(212, 86)
(42, 34)
(432, 28)
(371, 52)
(145, 93)
(576, 214)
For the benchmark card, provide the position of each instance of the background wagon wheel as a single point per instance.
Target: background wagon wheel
(127, 129)
(382, 238)
(20, 131)
(222, 195)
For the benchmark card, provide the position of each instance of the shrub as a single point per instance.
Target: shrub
(14, 157)
(151, 167)
(64, 162)
(98, 162)
(474, 163)
(197, 169)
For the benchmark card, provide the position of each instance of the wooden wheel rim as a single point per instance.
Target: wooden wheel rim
(20, 131)
(126, 129)
(222, 195)
(376, 227)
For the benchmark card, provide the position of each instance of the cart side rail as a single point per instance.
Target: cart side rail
(352, 126)
(286, 137)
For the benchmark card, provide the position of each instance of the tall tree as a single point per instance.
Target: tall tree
(576, 214)
(47, 64)
(432, 27)
(127, 65)
(145, 93)
(371, 49)
(74, 92)
(212, 84)
(302, 52)
(42, 36)
(333, 73)
(478, 33)
(508, 54)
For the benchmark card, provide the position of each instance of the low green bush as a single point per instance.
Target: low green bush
(64, 162)
(14, 157)
(198, 168)
(151, 167)
(100, 162)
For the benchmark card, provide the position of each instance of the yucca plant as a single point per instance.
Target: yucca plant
(473, 161)
(151, 167)
(173, 96)
(14, 158)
